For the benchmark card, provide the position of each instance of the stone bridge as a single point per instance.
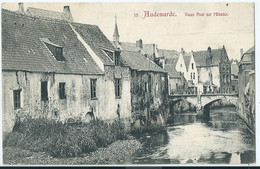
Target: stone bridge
(204, 100)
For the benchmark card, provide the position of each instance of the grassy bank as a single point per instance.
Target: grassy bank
(118, 152)
(60, 140)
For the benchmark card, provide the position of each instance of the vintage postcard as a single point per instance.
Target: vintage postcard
(128, 83)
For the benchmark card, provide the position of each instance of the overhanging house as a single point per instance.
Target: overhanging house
(149, 90)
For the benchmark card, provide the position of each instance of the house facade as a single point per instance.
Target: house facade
(60, 70)
(149, 89)
(234, 78)
(246, 85)
(214, 71)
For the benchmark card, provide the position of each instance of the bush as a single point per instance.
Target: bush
(63, 140)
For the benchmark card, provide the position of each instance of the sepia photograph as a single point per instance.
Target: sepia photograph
(128, 83)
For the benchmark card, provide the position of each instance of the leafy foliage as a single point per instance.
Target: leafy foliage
(64, 140)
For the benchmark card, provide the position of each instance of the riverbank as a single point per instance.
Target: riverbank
(116, 153)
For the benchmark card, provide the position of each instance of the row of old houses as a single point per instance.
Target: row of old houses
(205, 72)
(56, 68)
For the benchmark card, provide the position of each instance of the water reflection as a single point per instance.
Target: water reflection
(223, 140)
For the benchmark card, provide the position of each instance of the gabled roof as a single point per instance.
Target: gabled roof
(171, 61)
(36, 12)
(95, 38)
(128, 46)
(148, 49)
(172, 72)
(200, 57)
(23, 49)
(234, 69)
(137, 61)
(168, 53)
(187, 57)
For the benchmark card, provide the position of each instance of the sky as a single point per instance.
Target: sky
(235, 31)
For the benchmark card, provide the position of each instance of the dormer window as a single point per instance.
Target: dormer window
(114, 56)
(55, 49)
(109, 54)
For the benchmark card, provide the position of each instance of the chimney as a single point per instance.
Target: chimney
(241, 52)
(21, 8)
(139, 44)
(182, 51)
(67, 14)
(209, 50)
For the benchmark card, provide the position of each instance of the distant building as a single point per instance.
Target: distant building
(246, 85)
(177, 83)
(214, 70)
(148, 50)
(234, 78)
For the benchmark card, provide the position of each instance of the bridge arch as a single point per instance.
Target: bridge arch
(229, 100)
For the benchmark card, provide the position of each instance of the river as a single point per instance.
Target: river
(222, 140)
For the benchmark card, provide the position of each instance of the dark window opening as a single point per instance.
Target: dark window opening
(55, 49)
(93, 86)
(117, 60)
(233, 88)
(44, 90)
(62, 91)
(17, 99)
(118, 88)
(110, 54)
(192, 66)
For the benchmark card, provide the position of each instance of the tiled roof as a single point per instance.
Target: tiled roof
(128, 46)
(137, 61)
(23, 49)
(95, 38)
(171, 61)
(168, 53)
(148, 49)
(172, 72)
(246, 57)
(200, 57)
(186, 57)
(36, 12)
(234, 69)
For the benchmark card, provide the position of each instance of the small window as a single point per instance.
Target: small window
(228, 79)
(62, 91)
(234, 88)
(190, 75)
(192, 66)
(193, 75)
(17, 99)
(118, 88)
(93, 86)
(181, 65)
(146, 87)
(44, 90)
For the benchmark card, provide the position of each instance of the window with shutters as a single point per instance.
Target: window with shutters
(93, 88)
(118, 88)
